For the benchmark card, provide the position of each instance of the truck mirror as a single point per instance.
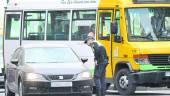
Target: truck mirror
(114, 27)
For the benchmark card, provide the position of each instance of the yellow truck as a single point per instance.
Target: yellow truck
(136, 34)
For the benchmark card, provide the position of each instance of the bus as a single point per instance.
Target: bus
(135, 34)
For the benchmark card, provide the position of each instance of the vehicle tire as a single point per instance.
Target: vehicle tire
(7, 91)
(123, 84)
(20, 88)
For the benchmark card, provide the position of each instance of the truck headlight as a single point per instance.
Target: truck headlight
(83, 76)
(141, 59)
(35, 77)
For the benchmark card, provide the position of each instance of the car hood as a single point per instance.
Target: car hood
(152, 47)
(54, 68)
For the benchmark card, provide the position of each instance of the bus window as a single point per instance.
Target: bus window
(34, 25)
(13, 28)
(82, 24)
(58, 25)
(104, 31)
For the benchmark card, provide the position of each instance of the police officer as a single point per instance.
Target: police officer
(101, 62)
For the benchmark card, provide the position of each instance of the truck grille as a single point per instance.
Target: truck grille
(60, 77)
(159, 59)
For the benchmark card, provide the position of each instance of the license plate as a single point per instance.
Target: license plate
(61, 84)
(167, 73)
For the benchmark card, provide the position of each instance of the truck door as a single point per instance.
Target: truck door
(104, 35)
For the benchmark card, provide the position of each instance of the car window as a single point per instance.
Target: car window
(50, 55)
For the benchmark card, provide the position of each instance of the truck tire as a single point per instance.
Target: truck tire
(123, 84)
(7, 91)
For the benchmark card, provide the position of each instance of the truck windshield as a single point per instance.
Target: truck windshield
(148, 24)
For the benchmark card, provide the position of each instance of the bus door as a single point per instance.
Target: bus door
(12, 33)
(104, 35)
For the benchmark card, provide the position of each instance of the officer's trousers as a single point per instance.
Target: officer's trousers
(100, 80)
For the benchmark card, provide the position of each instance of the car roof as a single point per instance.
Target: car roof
(45, 46)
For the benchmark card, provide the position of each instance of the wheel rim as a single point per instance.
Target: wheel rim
(6, 88)
(123, 82)
(20, 89)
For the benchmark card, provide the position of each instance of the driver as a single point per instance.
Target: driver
(157, 23)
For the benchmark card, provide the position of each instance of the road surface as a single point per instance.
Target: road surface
(144, 92)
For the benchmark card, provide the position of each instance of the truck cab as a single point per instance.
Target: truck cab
(137, 42)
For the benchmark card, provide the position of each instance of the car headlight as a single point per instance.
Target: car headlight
(83, 76)
(35, 77)
(141, 59)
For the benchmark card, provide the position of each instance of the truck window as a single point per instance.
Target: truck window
(104, 30)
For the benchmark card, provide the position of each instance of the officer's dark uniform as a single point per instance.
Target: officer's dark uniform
(100, 69)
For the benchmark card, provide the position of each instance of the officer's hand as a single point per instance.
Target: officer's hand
(96, 63)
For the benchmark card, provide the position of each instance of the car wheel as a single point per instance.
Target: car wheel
(21, 92)
(7, 91)
(123, 84)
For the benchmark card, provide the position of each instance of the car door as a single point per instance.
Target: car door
(11, 71)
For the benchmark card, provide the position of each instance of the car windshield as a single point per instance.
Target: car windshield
(148, 24)
(50, 55)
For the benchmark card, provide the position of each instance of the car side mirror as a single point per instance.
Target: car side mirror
(14, 61)
(84, 60)
(114, 27)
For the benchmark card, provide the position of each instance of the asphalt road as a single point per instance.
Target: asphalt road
(144, 92)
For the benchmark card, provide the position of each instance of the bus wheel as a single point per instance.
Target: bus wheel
(123, 85)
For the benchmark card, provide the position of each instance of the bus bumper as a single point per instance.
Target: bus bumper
(151, 77)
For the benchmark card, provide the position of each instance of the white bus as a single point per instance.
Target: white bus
(49, 21)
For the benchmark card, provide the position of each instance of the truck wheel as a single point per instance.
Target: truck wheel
(123, 84)
(21, 92)
(7, 91)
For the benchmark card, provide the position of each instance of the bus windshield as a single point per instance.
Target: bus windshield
(148, 24)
